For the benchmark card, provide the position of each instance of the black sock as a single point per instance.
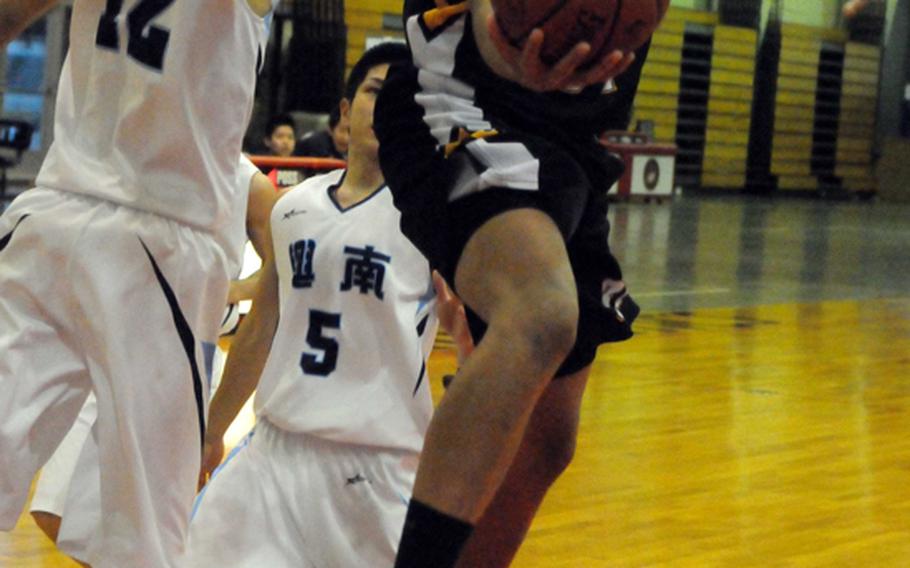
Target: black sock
(430, 539)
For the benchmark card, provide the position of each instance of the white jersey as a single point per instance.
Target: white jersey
(233, 240)
(356, 322)
(153, 102)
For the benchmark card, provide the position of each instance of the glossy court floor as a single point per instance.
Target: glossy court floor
(761, 415)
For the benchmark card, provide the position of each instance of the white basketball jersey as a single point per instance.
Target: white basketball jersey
(233, 240)
(153, 102)
(356, 324)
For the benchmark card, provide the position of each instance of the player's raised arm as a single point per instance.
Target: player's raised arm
(525, 66)
(16, 15)
(245, 362)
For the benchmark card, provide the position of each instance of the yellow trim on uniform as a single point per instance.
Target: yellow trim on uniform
(437, 17)
(465, 136)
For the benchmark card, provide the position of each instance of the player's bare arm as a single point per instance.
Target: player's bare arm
(452, 318)
(259, 206)
(16, 15)
(525, 67)
(245, 362)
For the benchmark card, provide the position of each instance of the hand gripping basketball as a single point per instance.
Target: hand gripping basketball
(605, 25)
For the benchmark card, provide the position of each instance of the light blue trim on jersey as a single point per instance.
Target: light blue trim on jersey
(243, 443)
(208, 353)
(427, 297)
(270, 18)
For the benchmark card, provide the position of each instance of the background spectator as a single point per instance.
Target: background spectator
(280, 135)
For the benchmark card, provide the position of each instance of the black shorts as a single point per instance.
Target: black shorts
(445, 192)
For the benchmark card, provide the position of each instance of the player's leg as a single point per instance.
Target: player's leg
(546, 450)
(151, 293)
(501, 205)
(514, 273)
(606, 315)
(43, 380)
(49, 523)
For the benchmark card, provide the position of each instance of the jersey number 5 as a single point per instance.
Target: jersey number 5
(315, 338)
(147, 42)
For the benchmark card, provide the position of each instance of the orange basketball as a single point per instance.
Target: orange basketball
(605, 24)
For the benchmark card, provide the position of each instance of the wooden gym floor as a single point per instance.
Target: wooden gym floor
(760, 417)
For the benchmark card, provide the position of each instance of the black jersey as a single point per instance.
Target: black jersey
(442, 43)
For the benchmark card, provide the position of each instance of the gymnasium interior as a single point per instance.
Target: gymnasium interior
(761, 414)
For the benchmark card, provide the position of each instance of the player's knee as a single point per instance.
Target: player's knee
(550, 327)
(48, 523)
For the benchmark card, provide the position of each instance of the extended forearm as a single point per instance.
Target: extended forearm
(243, 289)
(245, 362)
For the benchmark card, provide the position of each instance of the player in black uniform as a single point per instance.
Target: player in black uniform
(493, 160)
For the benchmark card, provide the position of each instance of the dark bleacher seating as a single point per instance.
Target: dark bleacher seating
(15, 138)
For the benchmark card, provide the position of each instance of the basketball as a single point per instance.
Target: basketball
(606, 25)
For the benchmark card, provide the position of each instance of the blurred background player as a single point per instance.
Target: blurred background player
(53, 496)
(337, 341)
(331, 142)
(112, 280)
(853, 7)
(279, 141)
(17, 15)
(507, 197)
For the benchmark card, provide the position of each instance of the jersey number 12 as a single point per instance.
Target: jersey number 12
(147, 42)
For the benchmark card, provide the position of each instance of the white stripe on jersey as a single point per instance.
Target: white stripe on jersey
(443, 95)
(449, 103)
(348, 363)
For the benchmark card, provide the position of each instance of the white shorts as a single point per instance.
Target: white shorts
(291, 500)
(54, 482)
(70, 485)
(126, 304)
(69, 481)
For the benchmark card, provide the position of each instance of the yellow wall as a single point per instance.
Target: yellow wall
(729, 108)
(364, 18)
(807, 24)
